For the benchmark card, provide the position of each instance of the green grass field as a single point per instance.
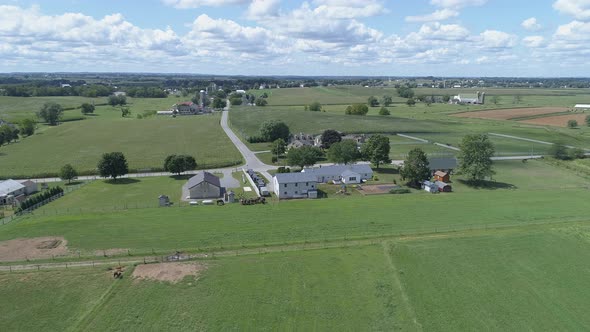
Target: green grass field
(497, 282)
(144, 142)
(19, 108)
(292, 221)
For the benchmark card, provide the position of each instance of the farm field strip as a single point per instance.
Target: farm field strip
(557, 120)
(508, 114)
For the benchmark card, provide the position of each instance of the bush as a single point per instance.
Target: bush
(283, 169)
(576, 153)
(40, 198)
(255, 139)
(274, 159)
(384, 111)
(572, 124)
(399, 191)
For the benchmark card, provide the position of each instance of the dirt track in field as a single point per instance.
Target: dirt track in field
(34, 248)
(558, 120)
(507, 114)
(170, 272)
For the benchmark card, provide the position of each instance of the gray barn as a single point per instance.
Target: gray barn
(203, 185)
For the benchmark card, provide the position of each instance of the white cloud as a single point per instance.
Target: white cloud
(185, 4)
(573, 31)
(531, 24)
(437, 31)
(348, 9)
(579, 9)
(263, 8)
(495, 40)
(533, 41)
(457, 4)
(439, 15)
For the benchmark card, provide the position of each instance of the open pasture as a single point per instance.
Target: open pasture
(558, 120)
(14, 109)
(507, 114)
(507, 281)
(145, 144)
(211, 226)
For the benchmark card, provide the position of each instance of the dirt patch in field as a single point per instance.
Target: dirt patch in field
(377, 189)
(170, 272)
(558, 120)
(507, 114)
(35, 248)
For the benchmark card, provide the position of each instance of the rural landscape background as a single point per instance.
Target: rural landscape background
(124, 248)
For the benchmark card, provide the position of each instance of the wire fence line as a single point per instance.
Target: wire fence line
(302, 243)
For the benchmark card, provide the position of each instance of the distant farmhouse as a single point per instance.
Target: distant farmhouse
(302, 139)
(203, 185)
(478, 98)
(295, 185)
(184, 108)
(14, 192)
(348, 174)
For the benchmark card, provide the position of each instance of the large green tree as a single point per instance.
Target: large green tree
(372, 101)
(112, 164)
(376, 150)
(271, 130)
(415, 169)
(27, 127)
(357, 109)
(475, 157)
(179, 163)
(218, 103)
(117, 100)
(8, 133)
(329, 137)
(386, 100)
(51, 113)
(315, 107)
(68, 173)
(279, 147)
(343, 152)
(87, 108)
(303, 156)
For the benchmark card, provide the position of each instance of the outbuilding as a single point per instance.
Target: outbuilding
(430, 187)
(442, 176)
(326, 174)
(350, 177)
(443, 187)
(10, 190)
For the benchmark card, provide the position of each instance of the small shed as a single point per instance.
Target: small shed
(443, 187)
(164, 200)
(430, 187)
(442, 176)
(350, 177)
(230, 197)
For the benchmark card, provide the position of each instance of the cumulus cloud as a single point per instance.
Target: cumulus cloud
(533, 41)
(437, 31)
(579, 9)
(185, 4)
(531, 24)
(346, 9)
(457, 3)
(439, 15)
(262, 8)
(495, 40)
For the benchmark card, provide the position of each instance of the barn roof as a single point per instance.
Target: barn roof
(203, 177)
(442, 163)
(9, 186)
(441, 173)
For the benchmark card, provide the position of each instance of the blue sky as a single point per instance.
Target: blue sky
(314, 37)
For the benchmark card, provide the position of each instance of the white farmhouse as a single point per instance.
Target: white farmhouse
(295, 185)
(10, 190)
(360, 172)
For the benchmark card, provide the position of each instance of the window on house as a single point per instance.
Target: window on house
(285, 185)
(306, 184)
(296, 184)
(295, 192)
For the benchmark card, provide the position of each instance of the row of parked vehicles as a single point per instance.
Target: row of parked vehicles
(259, 182)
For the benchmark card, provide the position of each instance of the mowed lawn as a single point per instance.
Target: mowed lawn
(19, 108)
(333, 289)
(525, 281)
(145, 143)
(50, 300)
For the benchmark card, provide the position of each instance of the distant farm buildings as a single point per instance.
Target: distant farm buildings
(582, 106)
(203, 185)
(478, 98)
(348, 174)
(14, 192)
(184, 108)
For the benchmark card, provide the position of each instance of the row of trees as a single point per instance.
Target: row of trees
(40, 198)
(95, 90)
(146, 92)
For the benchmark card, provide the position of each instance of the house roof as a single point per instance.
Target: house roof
(295, 177)
(349, 173)
(9, 186)
(335, 170)
(28, 183)
(203, 177)
(441, 184)
(441, 173)
(442, 163)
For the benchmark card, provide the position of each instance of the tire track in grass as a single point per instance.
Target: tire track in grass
(104, 299)
(406, 300)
